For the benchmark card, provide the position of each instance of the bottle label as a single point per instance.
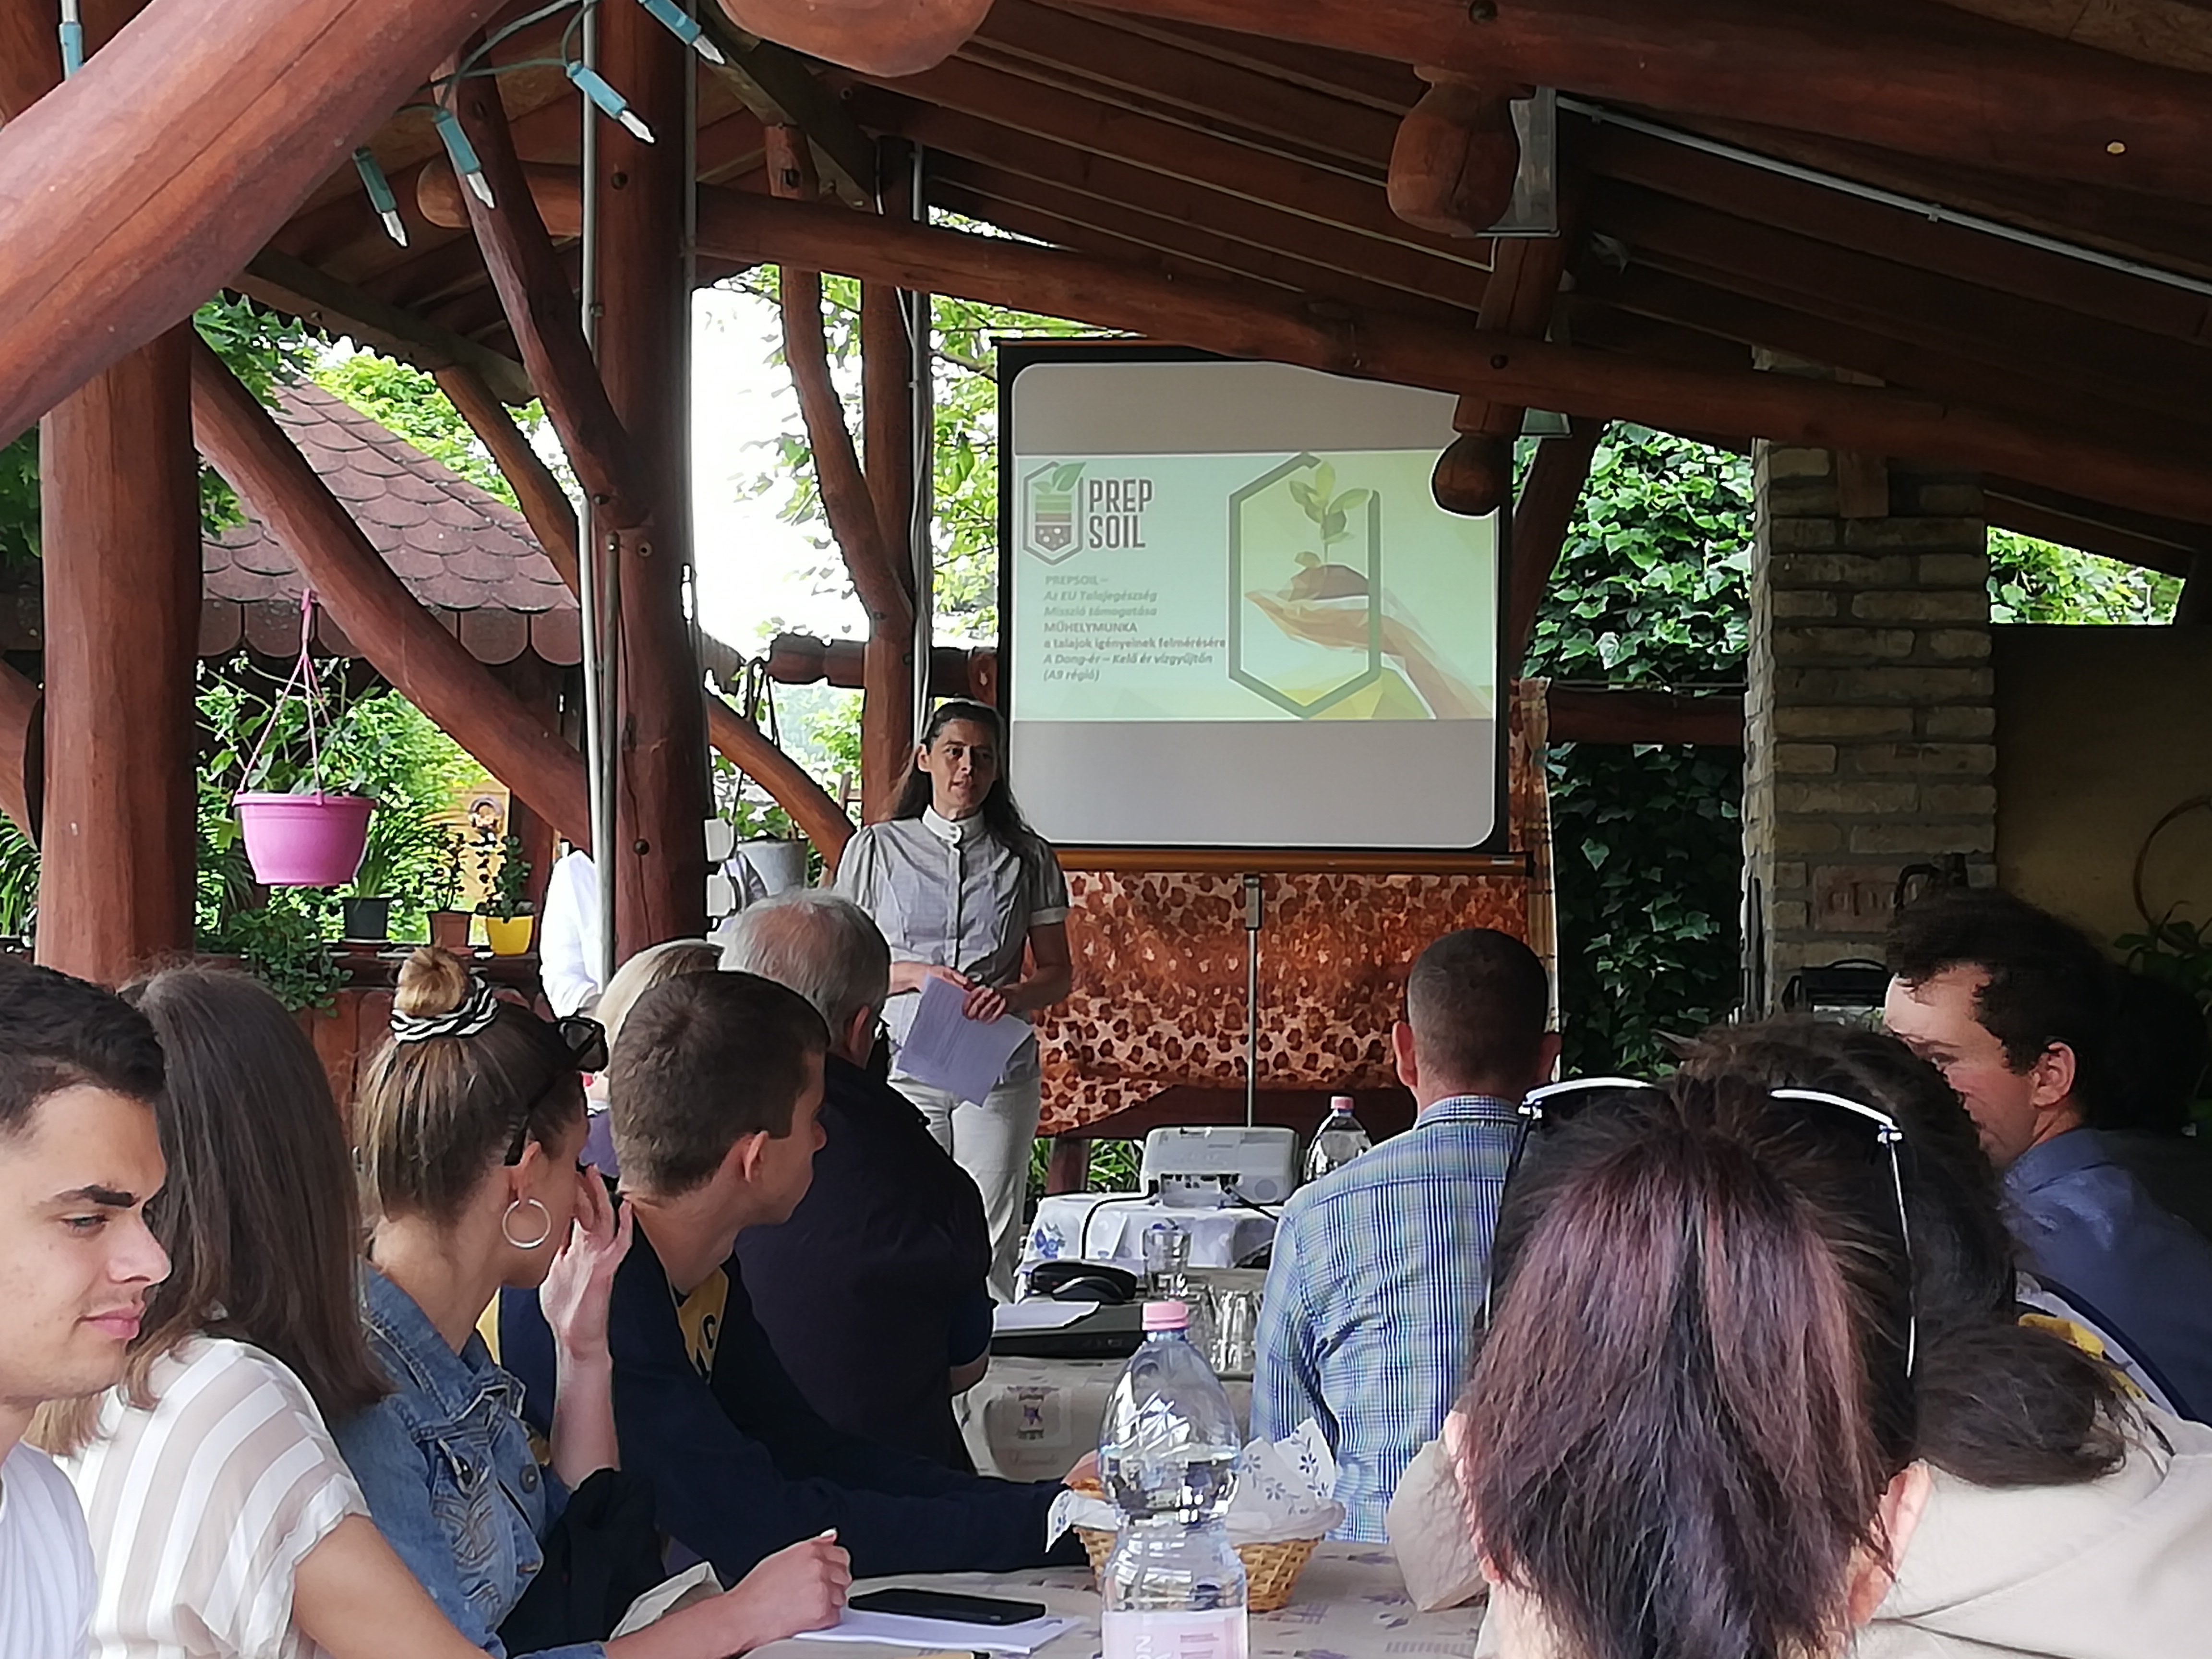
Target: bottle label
(1144, 1635)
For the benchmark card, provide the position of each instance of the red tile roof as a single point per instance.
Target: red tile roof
(464, 554)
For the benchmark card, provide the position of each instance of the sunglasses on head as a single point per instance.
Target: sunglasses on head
(1555, 1105)
(584, 1049)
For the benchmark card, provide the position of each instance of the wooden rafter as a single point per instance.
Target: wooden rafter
(2174, 32)
(425, 664)
(779, 90)
(1243, 321)
(1890, 73)
(540, 306)
(818, 818)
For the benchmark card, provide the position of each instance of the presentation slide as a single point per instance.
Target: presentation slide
(1236, 616)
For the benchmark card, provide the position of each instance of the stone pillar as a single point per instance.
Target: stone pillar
(1870, 717)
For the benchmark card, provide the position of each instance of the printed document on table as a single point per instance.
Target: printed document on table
(940, 1635)
(947, 1050)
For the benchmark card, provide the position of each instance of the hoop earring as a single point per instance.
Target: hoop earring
(506, 1225)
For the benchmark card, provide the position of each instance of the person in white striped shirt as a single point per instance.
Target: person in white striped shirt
(79, 1156)
(224, 1521)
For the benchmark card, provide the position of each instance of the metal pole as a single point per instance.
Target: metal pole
(590, 576)
(1254, 906)
(921, 339)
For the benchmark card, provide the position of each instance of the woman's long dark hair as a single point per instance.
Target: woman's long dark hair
(1694, 1392)
(2000, 1403)
(260, 1214)
(1000, 811)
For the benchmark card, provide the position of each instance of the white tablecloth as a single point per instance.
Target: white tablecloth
(1110, 1227)
(1349, 1603)
(1029, 1420)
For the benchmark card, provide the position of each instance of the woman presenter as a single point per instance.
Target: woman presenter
(967, 892)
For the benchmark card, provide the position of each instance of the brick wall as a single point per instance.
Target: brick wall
(1870, 716)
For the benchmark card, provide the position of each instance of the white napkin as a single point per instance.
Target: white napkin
(1282, 1491)
(695, 1584)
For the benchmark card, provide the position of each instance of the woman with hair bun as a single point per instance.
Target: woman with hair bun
(471, 1125)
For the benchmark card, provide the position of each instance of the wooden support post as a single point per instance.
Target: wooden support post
(22, 750)
(1549, 497)
(1474, 475)
(889, 363)
(120, 515)
(659, 861)
(145, 183)
(425, 664)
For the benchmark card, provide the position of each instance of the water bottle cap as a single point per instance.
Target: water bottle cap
(1167, 1316)
(1340, 1102)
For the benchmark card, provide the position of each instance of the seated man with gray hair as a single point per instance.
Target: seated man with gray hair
(873, 1293)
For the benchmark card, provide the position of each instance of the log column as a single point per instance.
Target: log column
(659, 860)
(889, 361)
(119, 501)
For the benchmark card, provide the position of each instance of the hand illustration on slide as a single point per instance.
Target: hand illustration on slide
(1324, 622)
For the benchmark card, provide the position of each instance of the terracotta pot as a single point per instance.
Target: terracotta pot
(877, 37)
(508, 936)
(449, 931)
(304, 841)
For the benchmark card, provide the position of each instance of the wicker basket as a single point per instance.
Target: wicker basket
(1270, 1570)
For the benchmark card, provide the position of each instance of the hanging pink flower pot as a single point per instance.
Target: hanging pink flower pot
(306, 840)
(303, 840)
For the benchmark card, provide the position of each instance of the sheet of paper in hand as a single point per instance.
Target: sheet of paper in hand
(947, 1050)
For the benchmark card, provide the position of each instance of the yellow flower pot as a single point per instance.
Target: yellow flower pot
(508, 936)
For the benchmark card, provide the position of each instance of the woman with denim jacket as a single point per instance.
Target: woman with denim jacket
(471, 1123)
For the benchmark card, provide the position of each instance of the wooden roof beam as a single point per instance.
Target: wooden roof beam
(2120, 363)
(1030, 209)
(776, 85)
(1223, 99)
(1474, 475)
(142, 184)
(2173, 33)
(1728, 316)
(1254, 219)
(298, 289)
(1065, 115)
(540, 305)
(1241, 320)
(1893, 73)
(1837, 217)
(886, 37)
(1541, 517)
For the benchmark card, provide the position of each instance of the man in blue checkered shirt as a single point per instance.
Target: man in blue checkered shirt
(1379, 1267)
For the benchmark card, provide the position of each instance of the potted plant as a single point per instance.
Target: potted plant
(305, 834)
(505, 912)
(366, 906)
(449, 924)
(771, 843)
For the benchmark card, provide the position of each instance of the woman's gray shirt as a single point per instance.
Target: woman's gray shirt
(951, 893)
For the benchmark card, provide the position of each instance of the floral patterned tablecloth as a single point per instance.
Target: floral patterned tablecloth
(1349, 1603)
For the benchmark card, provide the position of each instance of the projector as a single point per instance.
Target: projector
(1205, 1166)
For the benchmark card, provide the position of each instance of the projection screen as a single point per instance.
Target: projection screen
(1232, 614)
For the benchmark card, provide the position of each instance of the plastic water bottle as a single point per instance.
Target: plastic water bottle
(1173, 1588)
(1340, 1138)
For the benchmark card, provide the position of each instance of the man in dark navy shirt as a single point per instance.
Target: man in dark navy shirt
(714, 1093)
(875, 1292)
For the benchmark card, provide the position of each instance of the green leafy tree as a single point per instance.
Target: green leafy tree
(1651, 591)
(2033, 582)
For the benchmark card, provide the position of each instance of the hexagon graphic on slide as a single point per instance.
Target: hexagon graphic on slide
(1048, 511)
(1305, 587)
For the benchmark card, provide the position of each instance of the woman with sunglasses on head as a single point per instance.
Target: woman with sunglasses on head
(1751, 1385)
(224, 1522)
(471, 1124)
